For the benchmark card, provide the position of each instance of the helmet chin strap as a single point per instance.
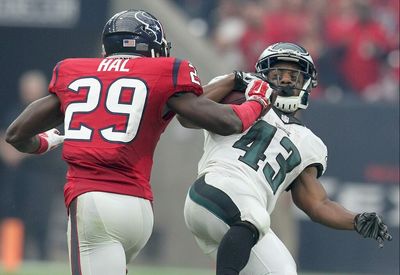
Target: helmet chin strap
(290, 104)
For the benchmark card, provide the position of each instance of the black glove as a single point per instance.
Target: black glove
(242, 79)
(370, 225)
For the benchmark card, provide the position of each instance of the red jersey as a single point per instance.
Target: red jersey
(115, 111)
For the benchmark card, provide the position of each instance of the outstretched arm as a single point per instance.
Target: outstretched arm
(40, 116)
(224, 119)
(215, 91)
(310, 196)
(201, 112)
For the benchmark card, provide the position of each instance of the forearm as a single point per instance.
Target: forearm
(24, 137)
(218, 89)
(310, 196)
(21, 133)
(223, 119)
(29, 145)
(219, 119)
(332, 214)
(39, 116)
(215, 91)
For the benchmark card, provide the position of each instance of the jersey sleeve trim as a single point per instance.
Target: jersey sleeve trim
(320, 168)
(320, 171)
(53, 82)
(290, 186)
(175, 71)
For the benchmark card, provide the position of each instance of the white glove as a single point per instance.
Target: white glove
(49, 140)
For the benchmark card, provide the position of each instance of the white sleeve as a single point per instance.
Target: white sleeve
(316, 153)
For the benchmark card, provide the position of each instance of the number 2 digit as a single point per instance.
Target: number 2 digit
(194, 76)
(132, 110)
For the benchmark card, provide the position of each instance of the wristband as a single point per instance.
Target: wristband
(43, 145)
(264, 103)
(248, 112)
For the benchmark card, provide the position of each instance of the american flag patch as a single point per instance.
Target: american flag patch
(128, 42)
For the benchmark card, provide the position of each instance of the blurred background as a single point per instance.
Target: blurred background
(355, 110)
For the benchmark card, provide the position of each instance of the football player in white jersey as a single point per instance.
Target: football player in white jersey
(241, 176)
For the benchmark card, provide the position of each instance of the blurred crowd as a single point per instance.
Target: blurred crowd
(28, 183)
(354, 43)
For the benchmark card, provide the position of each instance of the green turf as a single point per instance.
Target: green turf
(47, 268)
(37, 268)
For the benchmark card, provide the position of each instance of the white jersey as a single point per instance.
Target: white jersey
(267, 158)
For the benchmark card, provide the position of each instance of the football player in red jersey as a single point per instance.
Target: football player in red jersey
(114, 110)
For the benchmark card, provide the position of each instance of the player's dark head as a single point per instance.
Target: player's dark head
(286, 58)
(135, 32)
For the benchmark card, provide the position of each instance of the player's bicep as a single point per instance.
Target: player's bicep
(215, 91)
(186, 122)
(41, 115)
(184, 104)
(307, 192)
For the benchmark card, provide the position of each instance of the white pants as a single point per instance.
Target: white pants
(106, 231)
(268, 256)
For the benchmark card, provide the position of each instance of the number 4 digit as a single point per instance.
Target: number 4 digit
(256, 142)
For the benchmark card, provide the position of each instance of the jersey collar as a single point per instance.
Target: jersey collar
(124, 56)
(287, 118)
